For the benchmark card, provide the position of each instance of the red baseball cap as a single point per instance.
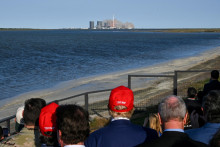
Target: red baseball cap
(121, 96)
(47, 119)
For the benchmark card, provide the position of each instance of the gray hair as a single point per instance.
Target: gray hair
(172, 107)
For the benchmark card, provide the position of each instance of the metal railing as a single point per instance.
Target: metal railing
(100, 105)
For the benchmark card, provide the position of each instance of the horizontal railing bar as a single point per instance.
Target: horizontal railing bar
(151, 75)
(90, 92)
(193, 70)
(7, 118)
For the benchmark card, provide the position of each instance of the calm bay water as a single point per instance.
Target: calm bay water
(32, 60)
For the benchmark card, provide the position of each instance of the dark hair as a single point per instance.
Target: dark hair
(32, 110)
(211, 106)
(191, 92)
(1, 132)
(215, 141)
(215, 74)
(73, 122)
(50, 140)
(40, 102)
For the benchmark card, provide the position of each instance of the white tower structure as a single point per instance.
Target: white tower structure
(113, 22)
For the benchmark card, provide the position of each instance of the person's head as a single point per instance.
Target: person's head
(40, 102)
(72, 124)
(19, 119)
(172, 108)
(211, 106)
(191, 92)
(47, 125)
(121, 102)
(31, 112)
(215, 74)
(154, 122)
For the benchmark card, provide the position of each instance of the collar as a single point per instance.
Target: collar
(119, 118)
(176, 130)
(191, 98)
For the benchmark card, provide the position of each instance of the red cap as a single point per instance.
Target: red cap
(121, 96)
(47, 119)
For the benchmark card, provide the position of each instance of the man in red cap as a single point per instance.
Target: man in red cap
(47, 125)
(120, 132)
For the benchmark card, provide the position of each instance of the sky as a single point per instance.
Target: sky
(55, 14)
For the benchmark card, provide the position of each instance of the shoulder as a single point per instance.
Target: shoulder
(192, 132)
(151, 132)
(174, 139)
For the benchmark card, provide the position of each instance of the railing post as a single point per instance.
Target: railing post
(87, 101)
(175, 83)
(8, 126)
(129, 81)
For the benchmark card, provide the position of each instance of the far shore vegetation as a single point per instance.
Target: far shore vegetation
(174, 30)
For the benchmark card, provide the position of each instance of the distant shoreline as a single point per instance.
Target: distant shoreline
(170, 30)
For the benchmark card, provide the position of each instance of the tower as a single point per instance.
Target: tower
(99, 25)
(91, 25)
(113, 22)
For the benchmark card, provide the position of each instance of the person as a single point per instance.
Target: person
(194, 109)
(29, 135)
(72, 125)
(153, 123)
(1, 134)
(213, 84)
(215, 141)
(19, 120)
(172, 115)
(120, 131)
(191, 102)
(47, 125)
(211, 110)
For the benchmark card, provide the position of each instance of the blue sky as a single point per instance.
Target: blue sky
(52, 14)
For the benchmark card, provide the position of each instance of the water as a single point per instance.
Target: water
(33, 60)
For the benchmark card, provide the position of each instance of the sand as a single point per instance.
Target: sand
(108, 81)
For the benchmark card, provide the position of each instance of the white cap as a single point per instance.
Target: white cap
(19, 115)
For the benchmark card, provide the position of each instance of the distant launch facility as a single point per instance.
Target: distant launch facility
(110, 24)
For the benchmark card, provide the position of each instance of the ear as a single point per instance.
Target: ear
(159, 119)
(23, 113)
(185, 118)
(59, 135)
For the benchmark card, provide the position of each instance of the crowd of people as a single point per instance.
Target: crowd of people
(179, 123)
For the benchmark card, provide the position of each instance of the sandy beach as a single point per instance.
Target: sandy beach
(108, 81)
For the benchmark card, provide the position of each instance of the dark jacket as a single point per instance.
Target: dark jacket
(205, 133)
(120, 133)
(212, 85)
(174, 139)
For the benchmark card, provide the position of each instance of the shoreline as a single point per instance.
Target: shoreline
(171, 30)
(107, 81)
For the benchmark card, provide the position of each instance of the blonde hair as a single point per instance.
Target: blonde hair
(154, 123)
(121, 114)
